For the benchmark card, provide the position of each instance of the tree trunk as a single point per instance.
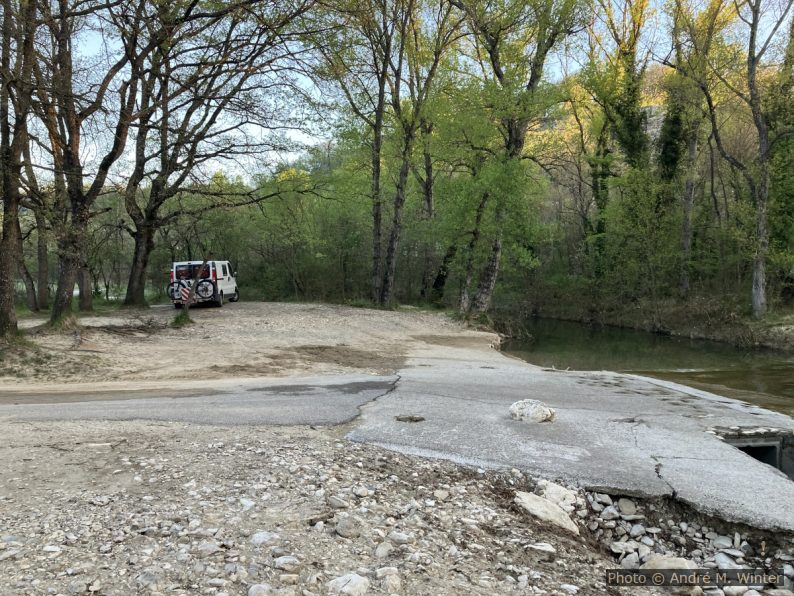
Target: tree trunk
(465, 298)
(42, 256)
(390, 266)
(8, 261)
(136, 285)
(427, 181)
(30, 287)
(27, 278)
(488, 278)
(688, 201)
(9, 188)
(762, 244)
(86, 299)
(70, 259)
(440, 282)
(377, 217)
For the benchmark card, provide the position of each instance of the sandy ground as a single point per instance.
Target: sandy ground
(139, 350)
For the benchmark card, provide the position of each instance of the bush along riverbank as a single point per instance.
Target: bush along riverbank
(721, 320)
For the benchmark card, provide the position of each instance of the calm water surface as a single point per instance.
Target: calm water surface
(762, 377)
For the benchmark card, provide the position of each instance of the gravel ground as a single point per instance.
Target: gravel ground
(122, 508)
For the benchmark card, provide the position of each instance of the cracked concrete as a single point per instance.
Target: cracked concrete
(613, 433)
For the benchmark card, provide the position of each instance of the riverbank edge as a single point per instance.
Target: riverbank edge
(773, 334)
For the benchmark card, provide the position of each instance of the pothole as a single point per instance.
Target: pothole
(772, 446)
(409, 418)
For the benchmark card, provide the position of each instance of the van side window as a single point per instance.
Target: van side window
(225, 270)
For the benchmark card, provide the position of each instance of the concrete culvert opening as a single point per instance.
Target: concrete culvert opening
(772, 448)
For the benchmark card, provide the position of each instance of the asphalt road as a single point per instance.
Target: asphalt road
(614, 433)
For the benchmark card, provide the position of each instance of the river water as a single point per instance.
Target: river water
(763, 377)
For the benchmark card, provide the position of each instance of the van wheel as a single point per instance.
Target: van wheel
(236, 296)
(219, 302)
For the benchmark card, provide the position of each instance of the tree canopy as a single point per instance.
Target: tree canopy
(563, 156)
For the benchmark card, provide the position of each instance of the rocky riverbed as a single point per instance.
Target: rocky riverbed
(153, 508)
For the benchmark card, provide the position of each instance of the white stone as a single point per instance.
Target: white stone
(623, 547)
(723, 561)
(351, 584)
(545, 550)
(383, 550)
(610, 513)
(337, 502)
(206, 549)
(348, 527)
(722, 542)
(260, 538)
(400, 537)
(557, 494)
(734, 590)
(531, 410)
(545, 510)
(261, 590)
(662, 562)
(630, 561)
(392, 584)
(571, 589)
(627, 506)
(287, 563)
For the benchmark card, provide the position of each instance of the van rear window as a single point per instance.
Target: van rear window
(189, 271)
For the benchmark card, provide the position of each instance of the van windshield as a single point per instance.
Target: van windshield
(189, 271)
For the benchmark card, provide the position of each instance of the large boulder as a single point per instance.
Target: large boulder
(557, 494)
(531, 410)
(545, 510)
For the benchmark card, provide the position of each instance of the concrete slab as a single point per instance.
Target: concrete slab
(613, 433)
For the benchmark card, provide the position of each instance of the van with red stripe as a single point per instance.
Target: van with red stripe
(214, 282)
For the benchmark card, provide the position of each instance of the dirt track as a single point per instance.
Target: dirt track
(140, 350)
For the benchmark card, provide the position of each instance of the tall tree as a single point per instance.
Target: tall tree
(513, 42)
(356, 57)
(762, 21)
(70, 101)
(17, 56)
(200, 95)
(424, 40)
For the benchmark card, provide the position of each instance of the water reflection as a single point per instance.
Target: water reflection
(764, 377)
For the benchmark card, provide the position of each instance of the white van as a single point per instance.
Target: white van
(215, 283)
